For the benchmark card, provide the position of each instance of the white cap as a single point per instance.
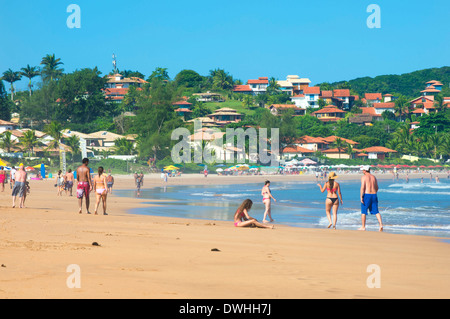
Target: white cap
(365, 168)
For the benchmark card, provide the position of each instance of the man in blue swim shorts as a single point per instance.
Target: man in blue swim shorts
(369, 198)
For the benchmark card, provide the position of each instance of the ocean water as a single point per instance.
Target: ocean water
(407, 208)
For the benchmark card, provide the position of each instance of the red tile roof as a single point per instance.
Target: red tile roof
(331, 139)
(373, 96)
(312, 90)
(326, 94)
(341, 93)
(260, 80)
(242, 88)
(296, 149)
(181, 103)
(369, 110)
(379, 149)
(387, 105)
(328, 109)
(116, 91)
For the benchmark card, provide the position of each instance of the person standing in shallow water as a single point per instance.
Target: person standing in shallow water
(369, 197)
(267, 196)
(332, 201)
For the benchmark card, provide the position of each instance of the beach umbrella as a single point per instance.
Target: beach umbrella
(422, 166)
(39, 166)
(3, 162)
(29, 168)
(219, 170)
(242, 168)
(170, 167)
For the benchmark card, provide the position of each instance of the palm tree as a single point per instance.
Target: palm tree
(338, 143)
(401, 107)
(221, 79)
(273, 86)
(30, 72)
(54, 130)
(51, 70)
(350, 151)
(29, 140)
(11, 76)
(122, 146)
(247, 101)
(6, 143)
(73, 142)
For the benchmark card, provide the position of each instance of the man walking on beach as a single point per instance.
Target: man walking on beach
(369, 198)
(84, 184)
(69, 181)
(19, 186)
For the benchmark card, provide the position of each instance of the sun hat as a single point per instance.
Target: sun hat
(365, 168)
(332, 175)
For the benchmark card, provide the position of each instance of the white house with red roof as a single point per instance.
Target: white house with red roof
(312, 95)
(371, 98)
(342, 98)
(259, 85)
(117, 86)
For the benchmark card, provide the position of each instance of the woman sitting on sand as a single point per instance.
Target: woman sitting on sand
(332, 201)
(267, 195)
(100, 190)
(243, 219)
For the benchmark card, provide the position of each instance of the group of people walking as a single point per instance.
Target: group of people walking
(18, 183)
(368, 198)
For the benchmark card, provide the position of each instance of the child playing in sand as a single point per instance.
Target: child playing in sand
(243, 219)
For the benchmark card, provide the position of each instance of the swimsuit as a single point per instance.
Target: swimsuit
(370, 203)
(2, 178)
(333, 200)
(83, 188)
(19, 189)
(100, 191)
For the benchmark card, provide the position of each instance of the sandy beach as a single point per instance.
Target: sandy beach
(165, 258)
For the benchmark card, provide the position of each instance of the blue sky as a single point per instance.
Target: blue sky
(322, 40)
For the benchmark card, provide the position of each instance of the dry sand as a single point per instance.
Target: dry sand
(165, 258)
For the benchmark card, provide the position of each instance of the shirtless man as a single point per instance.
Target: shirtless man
(84, 184)
(109, 182)
(19, 186)
(69, 181)
(369, 199)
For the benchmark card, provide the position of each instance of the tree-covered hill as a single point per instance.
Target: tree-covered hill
(408, 84)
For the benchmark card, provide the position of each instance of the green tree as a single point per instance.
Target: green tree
(5, 104)
(54, 130)
(11, 76)
(51, 69)
(155, 120)
(339, 144)
(6, 143)
(122, 146)
(29, 140)
(30, 72)
(81, 98)
(159, 74)
(189, 79)
(221, 80)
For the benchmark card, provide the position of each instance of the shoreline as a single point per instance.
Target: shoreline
(142, 256)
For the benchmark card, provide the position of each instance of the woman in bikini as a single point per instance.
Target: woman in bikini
(267, 195)
(100, 190)
(332, 201)
(243, 219)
